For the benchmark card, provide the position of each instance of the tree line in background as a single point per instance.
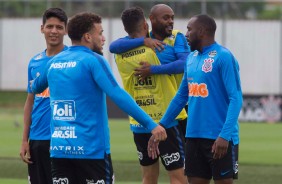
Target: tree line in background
(112, 8)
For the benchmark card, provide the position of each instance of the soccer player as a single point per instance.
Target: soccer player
(172, 57)
(79, 80)
(211, 84)
(152, 94)
(37, 115)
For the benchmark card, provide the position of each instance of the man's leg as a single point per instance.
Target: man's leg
(196, 180)
(224, 181)
(177, 176)
(150, 173)
(149, 166)
(172, 155)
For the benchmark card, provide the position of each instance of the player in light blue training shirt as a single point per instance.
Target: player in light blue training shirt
(35, 148)
(79, 80)
(211, 84)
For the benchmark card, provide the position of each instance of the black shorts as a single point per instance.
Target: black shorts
(40, 170)
(74, 171)
(171, 150)
(199, 160)
(182, 124)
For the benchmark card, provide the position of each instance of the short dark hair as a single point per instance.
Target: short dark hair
(55, 12)
(131, 19)
(82, 23)
(207, 22)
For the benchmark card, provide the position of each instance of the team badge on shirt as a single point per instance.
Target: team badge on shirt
(207, 66)
(212, 53)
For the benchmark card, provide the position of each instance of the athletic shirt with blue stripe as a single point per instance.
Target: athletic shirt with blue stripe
(79, 80)
(215, 97)
(41, 114)
(179, 45)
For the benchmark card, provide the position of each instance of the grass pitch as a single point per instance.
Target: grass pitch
(260, 150)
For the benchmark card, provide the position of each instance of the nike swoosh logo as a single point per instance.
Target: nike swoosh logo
(224, 173)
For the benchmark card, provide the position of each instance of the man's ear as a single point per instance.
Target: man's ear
(41, 28)
(202, 31)
(152, 18)
(87, 37)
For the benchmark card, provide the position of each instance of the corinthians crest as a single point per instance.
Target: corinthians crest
(207, 66)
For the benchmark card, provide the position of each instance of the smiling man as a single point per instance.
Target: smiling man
(37, 115)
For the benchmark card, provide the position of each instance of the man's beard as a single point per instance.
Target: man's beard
(194, 45)
(97, 50)
(160, 30)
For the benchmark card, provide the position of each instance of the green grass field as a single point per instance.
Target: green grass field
(260, 154)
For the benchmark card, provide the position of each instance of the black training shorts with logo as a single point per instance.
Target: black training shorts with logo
(74, 171)
(171, 150)
(199, 160)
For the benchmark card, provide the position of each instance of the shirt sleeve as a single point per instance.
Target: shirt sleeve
(125, 44)
(106, 81)
(231, 80)
(182, 50)
(173, 67)
(29, 78)
(177, 104)
(40, 83)
(181, 44)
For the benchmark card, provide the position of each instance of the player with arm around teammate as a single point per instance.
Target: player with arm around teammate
(172, 54)
(153, 95)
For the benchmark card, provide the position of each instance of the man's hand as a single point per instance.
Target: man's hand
(143, 71)
(25, 153)
(153, 148)
(159, 133)
(219, 148)
(154, 44)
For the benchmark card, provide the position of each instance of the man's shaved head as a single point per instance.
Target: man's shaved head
(159, 7)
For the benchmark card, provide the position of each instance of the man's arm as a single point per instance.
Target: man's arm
(175, 67)
(181, 49)
(106, 81)
(40, 83)
(230, 77)
(177, 103)
(125, 44)
(25, 152)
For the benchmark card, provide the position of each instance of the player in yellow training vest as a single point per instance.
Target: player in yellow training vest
(153, 94)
